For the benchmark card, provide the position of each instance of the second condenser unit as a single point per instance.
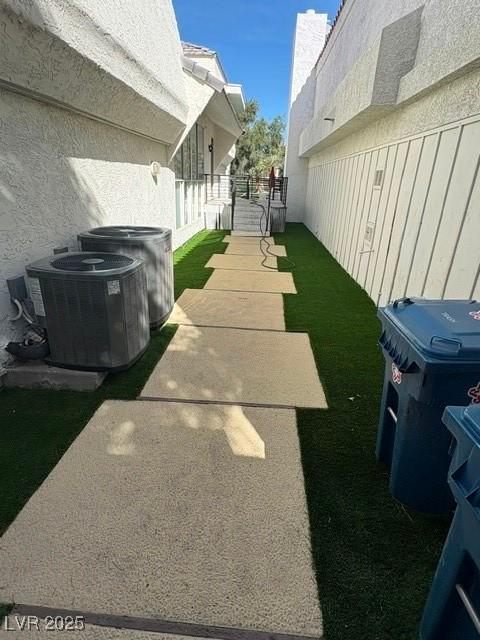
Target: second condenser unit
(151, 244)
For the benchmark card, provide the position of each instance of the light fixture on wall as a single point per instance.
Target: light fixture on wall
(155, 168)
(330, 119)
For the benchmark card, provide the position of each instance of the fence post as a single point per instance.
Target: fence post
(248, 187)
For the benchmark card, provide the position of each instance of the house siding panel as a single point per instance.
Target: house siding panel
(425, 217)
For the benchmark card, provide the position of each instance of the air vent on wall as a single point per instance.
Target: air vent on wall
(378, 178)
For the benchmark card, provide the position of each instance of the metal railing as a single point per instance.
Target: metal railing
(248, 187)
(218, 187)
(232, 188)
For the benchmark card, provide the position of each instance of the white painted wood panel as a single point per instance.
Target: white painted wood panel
(360, 203)
(400, 217)
(341, 207)
(433, 210)
(380, 263)
(414, 216)
(353, 162)
(423, 221)
(369, 216)
(363, 213)
(389, 164)
(358, 162)
(454, 211)
(464, 270)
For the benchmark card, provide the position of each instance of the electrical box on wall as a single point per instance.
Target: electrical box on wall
(17, 288)
(369, 233)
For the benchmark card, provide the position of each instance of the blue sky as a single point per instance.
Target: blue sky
(254, 40)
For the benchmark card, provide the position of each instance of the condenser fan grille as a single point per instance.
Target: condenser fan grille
(126, 231)
(92, 262)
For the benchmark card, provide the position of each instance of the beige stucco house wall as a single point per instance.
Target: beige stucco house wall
(393, 147)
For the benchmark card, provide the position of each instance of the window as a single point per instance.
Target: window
(178, 203)
(193, 153)
(188, 165)
(187, 159)
(178, 164)
(189, 162)
(200, 151)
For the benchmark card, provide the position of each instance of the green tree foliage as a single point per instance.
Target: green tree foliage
(261, 146)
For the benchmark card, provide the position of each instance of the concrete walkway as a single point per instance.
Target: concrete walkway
(184, 512)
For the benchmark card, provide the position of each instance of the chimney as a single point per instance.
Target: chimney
(310, 33)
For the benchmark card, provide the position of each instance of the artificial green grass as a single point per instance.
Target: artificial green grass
(38, 426)
(374, 559)
(4, 610)
(191, 258)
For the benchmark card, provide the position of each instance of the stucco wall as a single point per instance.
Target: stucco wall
(360, 24)
(382, 56)
(90, 94)
(393, 187)
(60, 174)
(117, 61)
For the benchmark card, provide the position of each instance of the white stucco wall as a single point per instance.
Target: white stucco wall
(310, 33)
(198, 96)
(90, 94)
(61, 174)
(120, 64)
(417, 119)
(447, 37)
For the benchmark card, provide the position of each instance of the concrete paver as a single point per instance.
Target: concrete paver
(243, 249)
(246, 239)
(181, 512)
(236, 365)
(229, 309)
(242, 263)
(268, 282)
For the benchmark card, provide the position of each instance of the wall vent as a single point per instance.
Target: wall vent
(378, 178)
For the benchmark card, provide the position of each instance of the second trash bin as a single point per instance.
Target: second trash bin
(452, 611)
(432, 353)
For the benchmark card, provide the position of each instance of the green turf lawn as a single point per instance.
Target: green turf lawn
(374, 559)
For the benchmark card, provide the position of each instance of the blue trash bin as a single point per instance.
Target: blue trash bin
(452, 611)
(432, 354)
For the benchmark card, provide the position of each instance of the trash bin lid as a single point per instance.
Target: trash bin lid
(442, 329)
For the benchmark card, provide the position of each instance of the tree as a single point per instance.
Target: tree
(261, 146)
